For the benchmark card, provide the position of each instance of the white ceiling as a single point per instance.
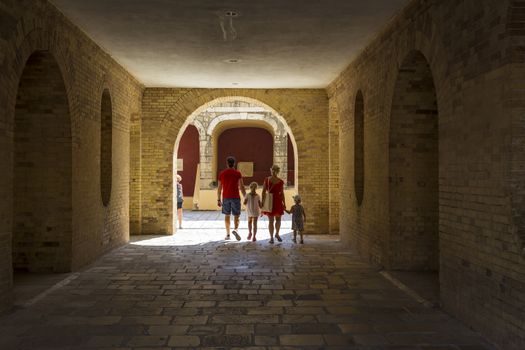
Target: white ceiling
(279, 43)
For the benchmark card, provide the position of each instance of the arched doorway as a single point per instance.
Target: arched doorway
(413, 157)
(246, 118)
(42, 193)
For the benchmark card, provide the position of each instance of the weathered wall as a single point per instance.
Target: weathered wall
(475, 53)
(30, 26)
(165, 111)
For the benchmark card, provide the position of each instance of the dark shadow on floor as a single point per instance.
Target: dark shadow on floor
(426, 284)
(27, 286)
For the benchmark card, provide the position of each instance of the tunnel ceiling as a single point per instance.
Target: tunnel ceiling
(228, 44)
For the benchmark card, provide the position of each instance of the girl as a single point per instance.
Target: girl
(253, 209)
(298, 218)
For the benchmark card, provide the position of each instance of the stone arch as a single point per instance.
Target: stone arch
(42, 200)
(413, 168)
(228, 121)
(190, 119)
(244, 116)
(359, 144)
(170, 135)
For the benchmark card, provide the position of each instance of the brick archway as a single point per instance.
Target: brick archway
(29, 39)
(413, 168)
(166, 112)
(42, 206)
(265, 117)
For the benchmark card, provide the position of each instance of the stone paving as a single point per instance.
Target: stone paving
(194, 290)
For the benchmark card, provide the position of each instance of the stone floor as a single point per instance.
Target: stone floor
(194, 290)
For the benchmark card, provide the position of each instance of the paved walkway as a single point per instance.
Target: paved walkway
(193, 290)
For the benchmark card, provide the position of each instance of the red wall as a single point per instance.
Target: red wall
(189, 152)
(291, 162)
(248, 144)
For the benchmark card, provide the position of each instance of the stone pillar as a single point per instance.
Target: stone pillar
(280, 150)
(206, 157)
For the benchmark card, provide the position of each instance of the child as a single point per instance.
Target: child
(253, 210)
(298, 218)
(180, 199)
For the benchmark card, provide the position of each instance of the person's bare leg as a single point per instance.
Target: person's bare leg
(236, 227)
(295, 236)
(270, 228)
(277, 228)
(301, 233)
(227, 225)
(254, 222)
(250, 222)
(236, 222)
(179, 212)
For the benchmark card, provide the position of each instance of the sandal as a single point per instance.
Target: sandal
(271, 241)
(279, 238)
(249, 236)
(237, 237)
(227, 238)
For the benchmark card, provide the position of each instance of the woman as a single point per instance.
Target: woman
(275, 186)
(180, 199)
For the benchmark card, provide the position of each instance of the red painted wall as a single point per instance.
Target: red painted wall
(247, 145)
(291, 163)
(189, 152)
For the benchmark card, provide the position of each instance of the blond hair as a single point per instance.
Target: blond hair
(275, 168)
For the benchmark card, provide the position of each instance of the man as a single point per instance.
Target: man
(230, 182)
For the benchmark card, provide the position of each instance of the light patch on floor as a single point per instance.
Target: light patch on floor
(201, 227)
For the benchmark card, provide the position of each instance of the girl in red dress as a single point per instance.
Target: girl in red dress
(275, 186)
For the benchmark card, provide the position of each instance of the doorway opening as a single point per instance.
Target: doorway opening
(42, 191)
(255, 134)
(414, 189)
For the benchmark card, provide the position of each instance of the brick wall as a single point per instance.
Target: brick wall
(164, 112)
(474, 50)
(25, 28)
(334, 189)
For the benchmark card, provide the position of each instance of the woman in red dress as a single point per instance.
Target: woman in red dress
(275, 186)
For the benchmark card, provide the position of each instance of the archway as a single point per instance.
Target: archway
(42, 193)
(413, 161)
(228, 115)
